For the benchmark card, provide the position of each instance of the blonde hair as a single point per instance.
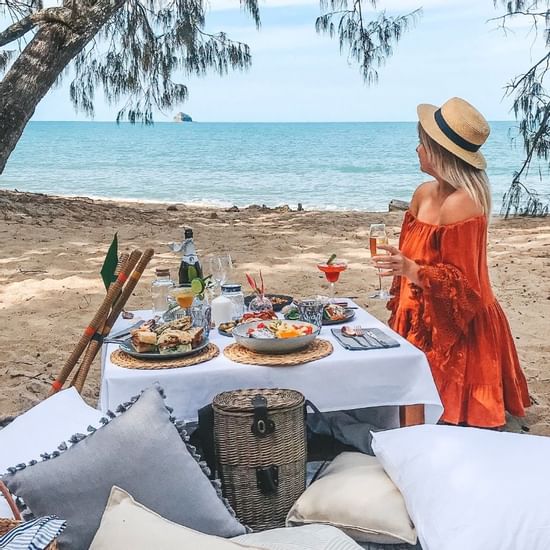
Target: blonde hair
(456, 172)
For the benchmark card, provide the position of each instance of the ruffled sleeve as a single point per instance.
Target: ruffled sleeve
(450, 289)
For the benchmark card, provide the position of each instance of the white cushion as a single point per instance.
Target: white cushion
(42, 429)
(355, 494)
(127, 524)
(473, 489)
(308, 537)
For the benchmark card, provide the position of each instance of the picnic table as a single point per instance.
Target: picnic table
(345, 380)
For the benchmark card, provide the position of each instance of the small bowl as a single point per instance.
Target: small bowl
(278, 346)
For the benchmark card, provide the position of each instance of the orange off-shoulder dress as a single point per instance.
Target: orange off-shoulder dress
(455, 319)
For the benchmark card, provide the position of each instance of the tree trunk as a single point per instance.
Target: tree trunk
(36, 69)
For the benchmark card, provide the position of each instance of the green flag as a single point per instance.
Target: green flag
(110, 263)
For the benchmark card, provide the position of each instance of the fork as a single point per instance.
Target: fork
(360, 333)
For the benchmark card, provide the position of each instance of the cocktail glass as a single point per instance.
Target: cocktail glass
(184, 297)
(332, 273)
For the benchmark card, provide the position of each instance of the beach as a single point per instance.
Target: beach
(53, 249)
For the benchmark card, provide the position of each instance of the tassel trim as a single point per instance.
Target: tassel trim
(121, 409)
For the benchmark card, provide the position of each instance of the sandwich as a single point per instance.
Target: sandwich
(177, 324)
(144, 340)
(174, 341)
(196, 335)
(178, 341)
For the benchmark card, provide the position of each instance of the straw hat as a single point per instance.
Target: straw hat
(458, 127)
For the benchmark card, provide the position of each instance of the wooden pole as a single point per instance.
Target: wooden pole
(97, 340)
(97, 321)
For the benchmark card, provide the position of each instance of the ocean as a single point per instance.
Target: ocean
(341, 166)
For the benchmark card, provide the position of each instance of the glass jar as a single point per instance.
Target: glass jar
(235, 294)
(160, 291)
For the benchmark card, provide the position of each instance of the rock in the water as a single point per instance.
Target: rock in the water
(233, 209)
(172, 208)
(182, 117)
(396, 205)
(213, 215)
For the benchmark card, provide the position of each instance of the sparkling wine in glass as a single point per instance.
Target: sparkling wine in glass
(377, 237)
(332, 270)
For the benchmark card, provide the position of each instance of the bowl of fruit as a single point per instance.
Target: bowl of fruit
(276, 337)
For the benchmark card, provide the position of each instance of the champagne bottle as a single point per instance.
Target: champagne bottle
(190, 267)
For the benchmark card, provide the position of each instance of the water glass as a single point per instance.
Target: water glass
(202, 317)
(310, 310)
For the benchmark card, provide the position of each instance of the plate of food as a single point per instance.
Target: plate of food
(279, 301)
(275, 336)
(333, 314)
(226, 329)
(165, 341)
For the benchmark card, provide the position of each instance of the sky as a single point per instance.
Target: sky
(299, 75)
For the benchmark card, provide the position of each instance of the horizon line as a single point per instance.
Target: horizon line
(255, 121)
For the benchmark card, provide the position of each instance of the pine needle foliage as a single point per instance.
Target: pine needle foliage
(531, 105)
(368, 38)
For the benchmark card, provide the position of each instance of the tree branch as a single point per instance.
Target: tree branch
(23, 26)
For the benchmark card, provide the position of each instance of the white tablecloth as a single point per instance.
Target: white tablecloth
(342, 381)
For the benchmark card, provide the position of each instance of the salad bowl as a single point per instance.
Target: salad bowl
(275, 337)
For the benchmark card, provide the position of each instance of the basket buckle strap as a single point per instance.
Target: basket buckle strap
(267, 478)
(262, 425)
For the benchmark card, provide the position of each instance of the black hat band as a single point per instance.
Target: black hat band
(452, 135)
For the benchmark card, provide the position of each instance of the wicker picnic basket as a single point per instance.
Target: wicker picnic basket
(7, 525)
(260, 439)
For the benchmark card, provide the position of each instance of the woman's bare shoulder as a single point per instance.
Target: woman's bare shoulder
(422, 191)
(459, 206)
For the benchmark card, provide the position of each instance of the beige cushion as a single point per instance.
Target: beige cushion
(354, 494)
(306, 537)
(128, 524)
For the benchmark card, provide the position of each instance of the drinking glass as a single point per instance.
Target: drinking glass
(220, 268)
(201, 313)
(184, 297)
(332, 273)
(311, 310)
(377, 237)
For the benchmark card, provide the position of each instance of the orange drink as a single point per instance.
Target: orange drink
(184, 296)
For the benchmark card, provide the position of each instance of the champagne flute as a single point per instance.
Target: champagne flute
(377, 237)
(220, 268)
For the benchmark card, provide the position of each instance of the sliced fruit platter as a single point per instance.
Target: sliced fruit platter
(275, 336)
(333, 314)
(177, 338)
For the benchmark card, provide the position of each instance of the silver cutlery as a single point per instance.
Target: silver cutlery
(350, 332)
(374, 337)
(124, 332)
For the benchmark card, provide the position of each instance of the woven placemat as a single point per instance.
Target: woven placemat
(122, 359)
(316, 350)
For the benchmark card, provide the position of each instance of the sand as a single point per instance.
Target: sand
(53, 249)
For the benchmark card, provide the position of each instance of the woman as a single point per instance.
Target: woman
(443, 302)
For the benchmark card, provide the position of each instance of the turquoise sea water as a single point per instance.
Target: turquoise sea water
(321, 165)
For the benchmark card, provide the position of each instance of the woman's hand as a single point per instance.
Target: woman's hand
(396, 264)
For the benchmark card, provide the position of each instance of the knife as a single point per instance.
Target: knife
(369, 333)
(124, 332)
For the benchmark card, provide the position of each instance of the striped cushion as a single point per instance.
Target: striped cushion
(33, 535)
